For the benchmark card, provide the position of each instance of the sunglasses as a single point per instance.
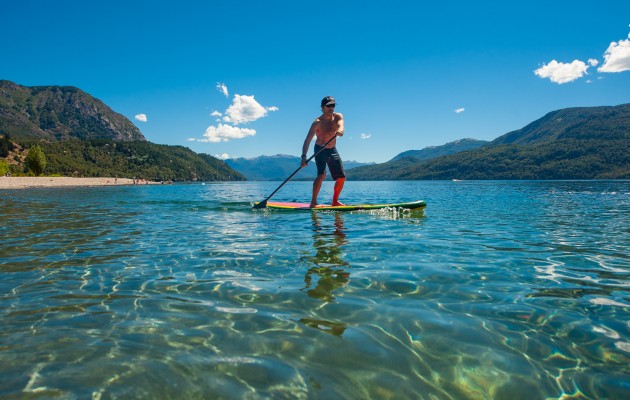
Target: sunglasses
(330, 105)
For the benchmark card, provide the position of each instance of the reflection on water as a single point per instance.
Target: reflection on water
(329, 269)
(503, 290)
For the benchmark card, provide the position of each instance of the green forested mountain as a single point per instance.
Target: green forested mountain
(140, 159)
(58, 113)
(581, 123)
(574, 143)
(81, 136)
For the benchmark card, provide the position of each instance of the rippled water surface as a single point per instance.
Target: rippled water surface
(506, 290)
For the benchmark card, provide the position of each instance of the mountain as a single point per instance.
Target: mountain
(437, 151)
(582, 123)
(141, 159)
(278, 167)
(81, 136)
(398, 165)
(573, 143)
(60, 113)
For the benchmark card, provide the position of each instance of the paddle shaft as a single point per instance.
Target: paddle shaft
(264, 202)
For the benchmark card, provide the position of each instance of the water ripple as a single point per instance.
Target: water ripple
(499, 289)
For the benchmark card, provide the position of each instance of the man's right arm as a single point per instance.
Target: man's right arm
(307, 142)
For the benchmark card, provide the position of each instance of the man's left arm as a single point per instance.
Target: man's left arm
(340, 130)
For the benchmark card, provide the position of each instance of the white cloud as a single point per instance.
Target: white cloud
(593, 62)
(617, 57)
(245, 109)
(141, 117)
(225, 133)
(561, 73)
(366, 135)
(460, 110)
(223, 156)
(223, 89)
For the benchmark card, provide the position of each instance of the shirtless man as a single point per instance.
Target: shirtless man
(327, 126)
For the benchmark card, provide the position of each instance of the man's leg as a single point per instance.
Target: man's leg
(317, 184)
(338, 188)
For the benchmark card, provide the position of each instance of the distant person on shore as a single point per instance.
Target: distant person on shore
(326, 127)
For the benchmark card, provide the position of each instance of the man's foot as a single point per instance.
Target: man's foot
(313, 205)
(338, 203)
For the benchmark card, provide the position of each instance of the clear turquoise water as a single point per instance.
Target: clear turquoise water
(507, 290)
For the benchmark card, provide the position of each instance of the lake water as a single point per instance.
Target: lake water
(506, 290)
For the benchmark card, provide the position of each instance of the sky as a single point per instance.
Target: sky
(245, 78)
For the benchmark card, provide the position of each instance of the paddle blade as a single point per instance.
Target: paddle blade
(262, 204)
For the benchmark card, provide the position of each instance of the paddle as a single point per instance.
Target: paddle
(263, 203)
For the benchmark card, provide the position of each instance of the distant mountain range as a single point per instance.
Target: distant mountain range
(431, 152)
(81, 136)
(278, 167)
(573, 143)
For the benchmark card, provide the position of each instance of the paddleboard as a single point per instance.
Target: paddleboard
(413, 205)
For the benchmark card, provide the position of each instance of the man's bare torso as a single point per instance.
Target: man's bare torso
(326, 128)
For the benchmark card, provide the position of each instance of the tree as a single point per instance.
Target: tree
(4, 167)
(36, 160)
(5, 145)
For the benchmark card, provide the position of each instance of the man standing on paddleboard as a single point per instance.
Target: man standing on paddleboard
(326, 127)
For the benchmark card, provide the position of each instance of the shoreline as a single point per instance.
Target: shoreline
(27, 182)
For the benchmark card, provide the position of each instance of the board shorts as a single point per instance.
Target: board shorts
(331, 158)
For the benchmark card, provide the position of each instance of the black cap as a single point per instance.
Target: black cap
(328, 100)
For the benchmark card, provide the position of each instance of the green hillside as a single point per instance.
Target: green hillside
(581, 123)
(141, 159)
(575, 143)
(81, 136)
(59, 113)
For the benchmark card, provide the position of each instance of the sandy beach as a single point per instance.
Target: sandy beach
(24, 182)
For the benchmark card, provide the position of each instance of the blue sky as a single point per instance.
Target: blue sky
(245, 78)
